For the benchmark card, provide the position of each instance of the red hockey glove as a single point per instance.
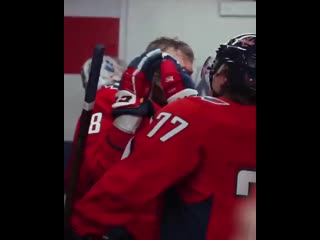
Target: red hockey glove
(136, 81)
(131, 104)
(175, 81)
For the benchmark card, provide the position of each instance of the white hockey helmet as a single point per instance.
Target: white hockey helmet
(111, 71)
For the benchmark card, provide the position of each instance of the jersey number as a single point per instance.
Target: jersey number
(244, 178)
(164, 117)
(95, 123)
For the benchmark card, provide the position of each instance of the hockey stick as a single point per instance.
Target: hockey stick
(85, 117)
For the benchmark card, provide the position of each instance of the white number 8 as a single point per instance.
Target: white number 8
(95, 123)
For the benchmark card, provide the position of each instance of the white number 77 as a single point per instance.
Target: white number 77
(164, 118)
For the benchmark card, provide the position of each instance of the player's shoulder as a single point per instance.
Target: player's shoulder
(199, 104)
(210, 101)
(105, 97)
(112, 88)
(218, 106)
(195, 108)
(212, 109)
(107, 92)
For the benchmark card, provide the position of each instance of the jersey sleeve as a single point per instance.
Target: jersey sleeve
(160, 157)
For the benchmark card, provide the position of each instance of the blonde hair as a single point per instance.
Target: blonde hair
(165, 42)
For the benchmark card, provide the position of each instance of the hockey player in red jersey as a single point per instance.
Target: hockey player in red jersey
(109, 80)
(201, 149)
(136, 85)
(108, 86)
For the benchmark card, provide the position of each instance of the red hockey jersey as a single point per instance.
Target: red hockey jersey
(203, 147)
(105, 145)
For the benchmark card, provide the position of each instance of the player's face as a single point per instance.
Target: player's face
(217, 84)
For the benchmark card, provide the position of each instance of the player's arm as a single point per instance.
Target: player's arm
(131, 104)
(160, 158)
(128, 110)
